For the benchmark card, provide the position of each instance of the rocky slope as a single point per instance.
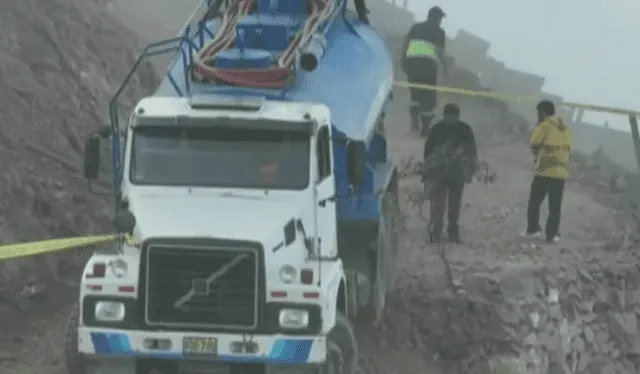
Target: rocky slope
(60, 62)
(496, 304)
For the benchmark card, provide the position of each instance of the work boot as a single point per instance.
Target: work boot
(526, 234)
(454, 235)
(455, 239)
(434, 237)
(555, 239)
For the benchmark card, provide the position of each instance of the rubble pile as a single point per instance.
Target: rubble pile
(528, 322)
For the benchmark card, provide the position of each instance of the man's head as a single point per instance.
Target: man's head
(435, 15)
(451, 113)
(545, 109)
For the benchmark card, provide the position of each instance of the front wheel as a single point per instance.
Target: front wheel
(342, 348)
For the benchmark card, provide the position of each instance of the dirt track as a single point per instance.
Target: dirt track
(430, 326)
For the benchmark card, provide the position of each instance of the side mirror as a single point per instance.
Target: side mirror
(356, 162)
(92, 157)
(125, 222)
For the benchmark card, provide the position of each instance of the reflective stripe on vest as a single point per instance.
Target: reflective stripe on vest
(421, 48)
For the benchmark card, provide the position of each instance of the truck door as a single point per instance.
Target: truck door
(325, 195)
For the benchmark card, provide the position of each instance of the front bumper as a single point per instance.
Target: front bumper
(271, 349)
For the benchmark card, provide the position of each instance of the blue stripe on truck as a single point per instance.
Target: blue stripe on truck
(292, 351)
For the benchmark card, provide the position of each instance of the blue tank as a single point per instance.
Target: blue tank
(345, 64)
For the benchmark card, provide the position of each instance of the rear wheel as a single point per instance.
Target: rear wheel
(73, 359)
(379, 291)
(342, 348)
(391, 208)
(382, 261)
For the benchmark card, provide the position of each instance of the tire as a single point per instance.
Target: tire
(342, 348)
(383, 261)
(392, 206)
(379, 291)
(72, 358)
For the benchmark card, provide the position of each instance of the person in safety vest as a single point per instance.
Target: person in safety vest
(423, 52)
(450, 160)
(551, 146)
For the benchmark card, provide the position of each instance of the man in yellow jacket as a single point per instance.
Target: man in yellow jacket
(551, 146)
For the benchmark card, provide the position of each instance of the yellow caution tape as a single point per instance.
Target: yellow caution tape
(462, 91)
(56, 245)
(132, 240)
(513, 97)
(10, 251)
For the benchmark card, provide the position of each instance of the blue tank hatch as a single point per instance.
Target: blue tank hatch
(353, 78)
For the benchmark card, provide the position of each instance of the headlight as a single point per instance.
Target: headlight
(119, 268)
(288, 274)
(293, 318)
(109, 311)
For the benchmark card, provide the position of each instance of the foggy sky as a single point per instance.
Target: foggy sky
(588, 50)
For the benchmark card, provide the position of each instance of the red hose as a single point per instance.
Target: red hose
(272, 77)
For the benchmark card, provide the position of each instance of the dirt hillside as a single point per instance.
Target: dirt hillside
(60, 62)
(494, 301)
(473, 307)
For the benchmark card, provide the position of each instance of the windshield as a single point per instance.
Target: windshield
(220, 157)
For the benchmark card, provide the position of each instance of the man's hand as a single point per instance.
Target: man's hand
(473, 170)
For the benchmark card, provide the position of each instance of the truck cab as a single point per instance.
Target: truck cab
(229, 247)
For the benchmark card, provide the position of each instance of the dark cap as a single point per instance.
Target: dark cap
(452, 109)
(546, 107)
(436, 12)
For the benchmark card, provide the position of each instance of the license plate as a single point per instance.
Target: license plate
(200, 346)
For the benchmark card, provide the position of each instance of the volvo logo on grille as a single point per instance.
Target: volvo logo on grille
(201, 286)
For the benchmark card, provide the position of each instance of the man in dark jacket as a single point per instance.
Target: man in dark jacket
(450, 158)
(423, 53)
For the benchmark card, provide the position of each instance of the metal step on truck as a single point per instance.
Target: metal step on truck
(254, 197)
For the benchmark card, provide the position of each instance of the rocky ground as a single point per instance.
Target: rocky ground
(496, 304)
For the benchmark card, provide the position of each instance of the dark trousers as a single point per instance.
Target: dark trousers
(422, 71)
(540, 188)
(422, 100)
(446, 193)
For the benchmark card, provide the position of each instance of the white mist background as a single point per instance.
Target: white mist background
(588, 50)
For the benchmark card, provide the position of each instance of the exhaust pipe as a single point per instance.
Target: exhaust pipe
(313, 52)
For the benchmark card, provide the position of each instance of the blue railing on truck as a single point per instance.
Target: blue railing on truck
(154, 49)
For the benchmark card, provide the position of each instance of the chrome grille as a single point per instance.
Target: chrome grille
(201, 286)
